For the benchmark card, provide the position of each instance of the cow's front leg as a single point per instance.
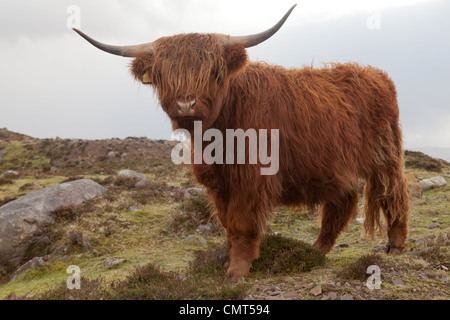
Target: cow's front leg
(243, 248)
(245, 228)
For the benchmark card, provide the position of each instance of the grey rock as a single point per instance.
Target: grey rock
(432, 183)
(398, 282)
(316, 291)
(292, 295)
(378, 248)
(359, 220)
(202, 240)
(9, 174)
(134, 208)
(24, 219)
(189, 237)
(332, 295)
(140, 184)
(113, 262)
(347, 297)
(420, 252)
(262, 288)
(53, 170)
(190, 192)
(205, 228)
(132, 174)
(32, 264)
(278, 297)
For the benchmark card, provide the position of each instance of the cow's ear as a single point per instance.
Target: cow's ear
(141, 69)
(236, 57)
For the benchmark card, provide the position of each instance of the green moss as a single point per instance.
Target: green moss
(283, 255)
(358, 269)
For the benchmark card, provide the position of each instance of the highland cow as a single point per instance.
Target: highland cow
(337, 125)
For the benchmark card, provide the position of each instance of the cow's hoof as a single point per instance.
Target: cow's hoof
(239, 269)
(391, 249)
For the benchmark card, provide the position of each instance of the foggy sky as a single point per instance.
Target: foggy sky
(53, 83)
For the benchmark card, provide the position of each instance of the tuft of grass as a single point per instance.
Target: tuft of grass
(358, 269)
(210, 262)
(198, 203)
(105, 181)
(4, 181)
(6, 200)
(433, 254)
(26, 187)
(126, 182)
(72, 212)
(278, 255)
(153, 192)
(282, 255)
(192, 212)
(73, 178)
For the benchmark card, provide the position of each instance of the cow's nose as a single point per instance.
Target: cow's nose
(186, 108)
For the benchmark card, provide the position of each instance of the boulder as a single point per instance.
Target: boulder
(435, 182)
(10, 174)
(141, 178)
(25, 219)
(415, 190)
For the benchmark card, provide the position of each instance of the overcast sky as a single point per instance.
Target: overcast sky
(53, 83)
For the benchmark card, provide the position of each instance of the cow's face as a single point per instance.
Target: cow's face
(190, 73)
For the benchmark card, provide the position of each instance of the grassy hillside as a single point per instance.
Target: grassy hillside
(154, 242)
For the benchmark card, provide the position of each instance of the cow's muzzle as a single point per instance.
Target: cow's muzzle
(186, 108)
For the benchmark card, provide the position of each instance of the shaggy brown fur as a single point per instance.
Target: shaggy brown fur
(336, 124)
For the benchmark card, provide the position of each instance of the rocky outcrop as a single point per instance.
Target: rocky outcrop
(23, 219)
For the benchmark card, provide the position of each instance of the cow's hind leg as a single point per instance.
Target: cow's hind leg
(396, 209)
(388, 190)
(335, 217)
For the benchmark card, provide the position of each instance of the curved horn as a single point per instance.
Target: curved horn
(255, 39)
(124, 51)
